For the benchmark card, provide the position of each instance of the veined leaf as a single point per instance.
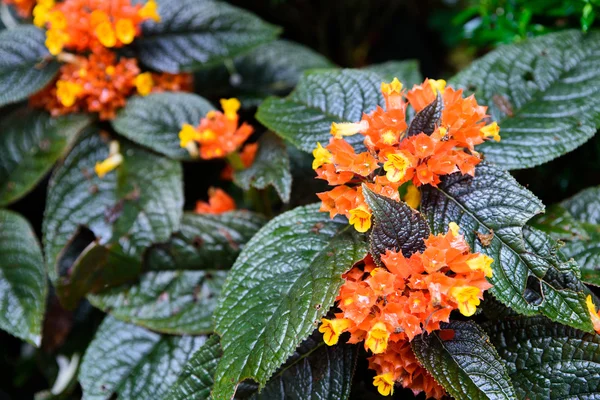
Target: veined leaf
(132, 362)
(286, 278)
(494, 203)
(271, 167)
(22, 279)
(136, 205)
(322, 97)
(467, 365)
(585, 206)
(30, 143)
(154, 121)
(205, 241)
(407, 71)
(175, 302)
(558, 222)
(26, 66)
(543, 94)
(547, 360)
(194, 34)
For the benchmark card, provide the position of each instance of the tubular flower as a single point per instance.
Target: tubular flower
(386, 307)
(384, 384)
(83, 25)
(595, 316)
(332, 329)
(219, 202)
(397, 155)
(144, 83)
(23, 7)
(113, 160)
(247, 155)
(219, 133)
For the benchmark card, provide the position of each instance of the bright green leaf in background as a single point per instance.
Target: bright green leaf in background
(154, 121)
(26, 66)
(194, 34)
(543, 92)
(22, 279)
(30, 143)
(132, 362)
(286, 278)
(467, 365)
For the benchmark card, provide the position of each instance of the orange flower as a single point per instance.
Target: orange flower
(23, 7)
(219, 133)
(219, 202)
(247, 156)
(594, 315)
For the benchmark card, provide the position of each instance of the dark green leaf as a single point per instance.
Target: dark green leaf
(560, 224)
(285, 279)
(22, 279)
(426, 120)
(322, 97)
(205, 241)
(194, 34)
(175, 302)
(493, 202)
(26, 65)
(547, 360)
(197, 378)
(154, 121)
(407, 71)
(543, 93)
(271, 167)
(396, 226)
(467, 365)
(30, 143)
(585, 205)
(133, 362)
(135, 206)
(270, 69)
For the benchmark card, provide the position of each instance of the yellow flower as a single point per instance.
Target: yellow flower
(389, 138)
(125, 30)
(332, 329)
(55, 41)
(593, 313)
(384, 384)
(207, 136)
(106, 34)
(377, 338)
(230, 108)
(412, 196)
(341, 129)
(437, 85)
(188, 134)
(67, 92)
(321, 155)
(149, 11)
(482, 263)
(394, 87)
(396, 166)
(467, 298)
(57, 20)
(454, 228)
(492, 130)
(144, 83)
(113, 161)
(41, 12)
(360, 217)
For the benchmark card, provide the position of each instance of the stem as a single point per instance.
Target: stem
(235, 161)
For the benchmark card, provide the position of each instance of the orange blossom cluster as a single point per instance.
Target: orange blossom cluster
(218, 202)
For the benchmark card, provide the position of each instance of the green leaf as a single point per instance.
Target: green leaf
(467, 365)
(197, 378)
(547, 360)
(30, 143)
(271, 167)
(543, 94)
(154, 121)
(26, 65)
(560, 224)
(175, 302)
(493, 202)
(132, 362)
(205, 241)
(396, 226)
(322, 97)
(407, 71)
(585, 205)
(270, 69)
(194, 34)
(138, 204)
(22, 279)
(286, 278)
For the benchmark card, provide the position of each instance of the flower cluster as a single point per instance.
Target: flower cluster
(397, 154)
(218, 202)
(90, 25)
(218, 134)
(381, 306)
